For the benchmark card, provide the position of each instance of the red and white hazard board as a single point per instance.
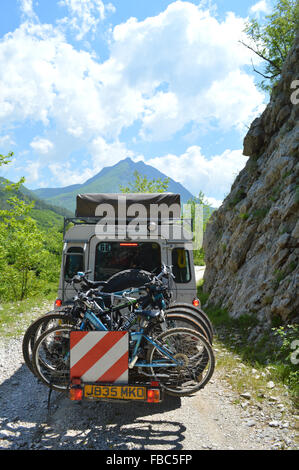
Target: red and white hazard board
(99, 356)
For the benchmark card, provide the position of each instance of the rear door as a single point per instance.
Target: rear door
(110, 257)
(180, 257)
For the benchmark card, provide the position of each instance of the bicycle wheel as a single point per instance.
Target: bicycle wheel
(126, 279)
(178, 320)
(197, 312)
(195, 356)
(205, 330)
(36, 328)
(51, 357)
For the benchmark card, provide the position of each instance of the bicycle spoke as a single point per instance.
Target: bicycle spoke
(195, 361)
(51, 357)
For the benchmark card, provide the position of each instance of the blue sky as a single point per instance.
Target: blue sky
(86, 83)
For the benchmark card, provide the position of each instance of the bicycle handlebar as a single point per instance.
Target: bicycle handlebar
(166, 271)
(94, 285)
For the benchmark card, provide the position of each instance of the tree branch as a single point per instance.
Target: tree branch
(263, 57)
(265, 76)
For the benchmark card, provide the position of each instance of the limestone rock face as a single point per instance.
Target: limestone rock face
(252, 241)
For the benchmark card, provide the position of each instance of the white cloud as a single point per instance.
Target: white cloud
(33, 168)
(180, 67)
(214, 202)
(214, 176)
(196, 59)
(65, 174)
(43, 77)
(6, 140)
(106, 154)
(103, 154)
(85, 15)
(41, 145)
(26, 7)
(260, 7)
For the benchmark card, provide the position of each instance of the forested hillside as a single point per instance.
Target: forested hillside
(30, 242)
(45, 214)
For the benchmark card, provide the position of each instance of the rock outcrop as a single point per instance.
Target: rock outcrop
(252, 241)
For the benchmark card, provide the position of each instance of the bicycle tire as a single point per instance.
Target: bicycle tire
(55, 378)
(178, 320)
(198, 312)
(175, 382)
(131, 278)
(37, 326)
(126, 279)
(196, 316)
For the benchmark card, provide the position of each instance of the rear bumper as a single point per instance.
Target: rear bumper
(91, 391)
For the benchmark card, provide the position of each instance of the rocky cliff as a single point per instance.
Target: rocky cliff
(251, 242)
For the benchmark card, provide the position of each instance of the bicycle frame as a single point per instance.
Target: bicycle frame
(94, 320)
(136, 337)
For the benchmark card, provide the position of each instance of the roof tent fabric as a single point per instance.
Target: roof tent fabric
(123, 205)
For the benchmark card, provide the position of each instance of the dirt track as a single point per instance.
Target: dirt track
(208, 420)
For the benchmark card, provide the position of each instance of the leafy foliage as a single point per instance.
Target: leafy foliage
(198, 254)
(142, 184)
(273, 39)
(29, 256)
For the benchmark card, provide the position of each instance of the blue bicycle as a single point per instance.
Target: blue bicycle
(181, 359)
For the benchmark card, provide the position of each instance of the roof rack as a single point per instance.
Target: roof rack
(120, 222)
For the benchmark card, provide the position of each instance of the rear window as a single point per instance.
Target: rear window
(112, 257)
(74, 262)
(181, 265)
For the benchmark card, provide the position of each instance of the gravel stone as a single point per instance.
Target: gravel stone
(210, 419)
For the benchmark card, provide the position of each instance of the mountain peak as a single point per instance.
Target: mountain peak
(109, 180)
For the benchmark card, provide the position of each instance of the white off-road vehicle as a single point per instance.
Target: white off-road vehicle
(114, 236)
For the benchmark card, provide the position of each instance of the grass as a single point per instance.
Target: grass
(199, 257)
(260, 214)
(14, 316)
(244, 215)
(249, 366)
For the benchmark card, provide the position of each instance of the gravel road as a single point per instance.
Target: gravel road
(210, 419)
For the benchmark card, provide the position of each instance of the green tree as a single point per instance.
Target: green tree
(142, 184)
(198, 255)
(29, 257)
(23, 246)
(5, 159)
(272, 39)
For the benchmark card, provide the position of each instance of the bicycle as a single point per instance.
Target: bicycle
(181, 359)
(77, 314)
(51, 349)
(162, 300)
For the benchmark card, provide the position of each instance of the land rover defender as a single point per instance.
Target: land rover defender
(111, 233)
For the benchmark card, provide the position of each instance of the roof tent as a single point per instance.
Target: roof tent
(124, 205)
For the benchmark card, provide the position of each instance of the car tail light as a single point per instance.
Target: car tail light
(76, 393)
(153, 396)
(128, 244)
(58, 302)
(196, 302)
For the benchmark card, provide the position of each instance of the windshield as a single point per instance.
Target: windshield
(112, 257)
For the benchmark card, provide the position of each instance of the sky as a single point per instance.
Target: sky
(87, 83)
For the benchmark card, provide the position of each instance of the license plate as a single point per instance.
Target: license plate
(125, 392)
